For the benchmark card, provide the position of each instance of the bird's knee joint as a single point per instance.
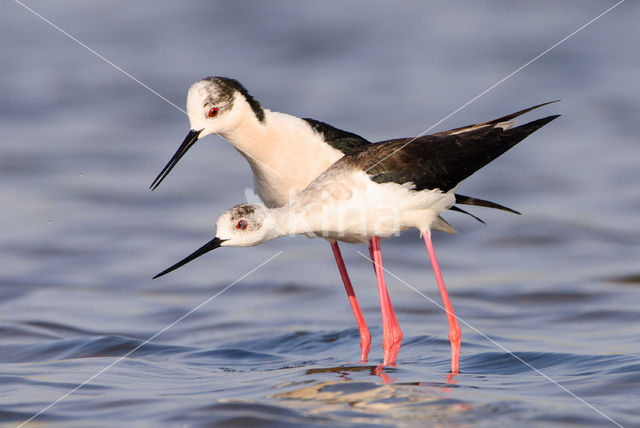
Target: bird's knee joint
(455, 334)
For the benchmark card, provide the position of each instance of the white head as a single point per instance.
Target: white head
(244, 225)
(215, 105)
(218, 104)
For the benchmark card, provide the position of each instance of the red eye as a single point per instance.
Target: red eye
(242, 225)
(213, 112)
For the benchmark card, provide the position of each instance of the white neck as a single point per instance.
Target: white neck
(284, 152)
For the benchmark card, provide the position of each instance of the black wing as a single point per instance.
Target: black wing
(346, 142)
(440, 161)
(493, 122)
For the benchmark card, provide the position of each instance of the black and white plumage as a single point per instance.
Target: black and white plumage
(382, 189)
(319, 180)
(379, 191)
(431, 167)
(285, 152)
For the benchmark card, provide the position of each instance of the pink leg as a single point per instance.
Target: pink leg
(454, 328)
(365, 336)
(392, 335)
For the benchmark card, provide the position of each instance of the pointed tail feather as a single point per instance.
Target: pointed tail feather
(521, 132)
(493, 122)
(460, 210)
(468, 200)
(441, 225)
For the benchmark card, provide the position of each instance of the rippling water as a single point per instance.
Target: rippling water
(549, 300)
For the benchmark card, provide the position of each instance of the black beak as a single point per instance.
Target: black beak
(211, 245)
(189, 141)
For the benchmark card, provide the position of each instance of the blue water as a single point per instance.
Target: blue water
(555, 290)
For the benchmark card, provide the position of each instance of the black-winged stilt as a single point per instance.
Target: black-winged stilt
(377, 191)
(285, 153)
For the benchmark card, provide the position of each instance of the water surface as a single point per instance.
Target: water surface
(549, 299)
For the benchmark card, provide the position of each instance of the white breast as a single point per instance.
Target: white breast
(285, 155)
(346, 205)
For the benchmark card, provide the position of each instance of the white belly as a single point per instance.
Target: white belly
(349, 207)
(285, 158)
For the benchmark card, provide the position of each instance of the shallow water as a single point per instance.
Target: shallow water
(548, 301)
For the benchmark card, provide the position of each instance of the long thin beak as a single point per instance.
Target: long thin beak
(189, 141)
(211, 245)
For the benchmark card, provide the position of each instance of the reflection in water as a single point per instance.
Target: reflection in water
(385, 402)
(81, 235)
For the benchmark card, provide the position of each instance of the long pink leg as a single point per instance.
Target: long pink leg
(365, 336)
(454, 328)
(392, 335)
